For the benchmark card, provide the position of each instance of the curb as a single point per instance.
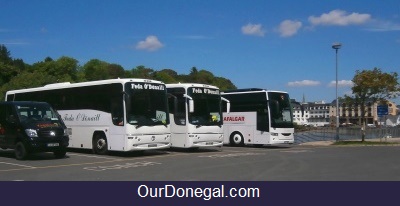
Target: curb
(328, 143)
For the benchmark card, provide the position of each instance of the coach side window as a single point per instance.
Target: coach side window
(180, 110)
(117, 112)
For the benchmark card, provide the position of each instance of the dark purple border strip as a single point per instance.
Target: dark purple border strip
(270, 193)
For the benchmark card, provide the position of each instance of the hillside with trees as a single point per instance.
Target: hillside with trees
(15, 74)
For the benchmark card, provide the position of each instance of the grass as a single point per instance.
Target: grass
(364, 143)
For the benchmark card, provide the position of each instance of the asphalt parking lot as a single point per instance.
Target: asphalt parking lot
(297, 162)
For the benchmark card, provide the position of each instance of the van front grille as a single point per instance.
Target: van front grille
(51, 132)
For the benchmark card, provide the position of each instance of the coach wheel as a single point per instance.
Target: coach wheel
(100, 144)
(20, 151)
(237, 139)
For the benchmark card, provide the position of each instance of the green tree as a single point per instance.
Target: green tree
(164, 77)
(170, 72)
(7, 71)
(205, 77)
(96, 69)
(192, 75)
(373, 85)
(142, 72)
(116, 71)
(223, 84)
(5, 56)
(19, 64)
(27, 80)
(9, 67)
(63, 69)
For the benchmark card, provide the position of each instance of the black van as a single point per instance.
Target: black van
(29, 127)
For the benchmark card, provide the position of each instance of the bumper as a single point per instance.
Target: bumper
(46, 145)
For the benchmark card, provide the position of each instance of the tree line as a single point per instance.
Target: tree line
(16, 74)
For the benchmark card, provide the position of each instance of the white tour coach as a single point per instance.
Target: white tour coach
(258, 117)
(115, 114)
(195, 115)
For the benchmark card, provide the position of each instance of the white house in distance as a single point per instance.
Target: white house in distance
(311, 113)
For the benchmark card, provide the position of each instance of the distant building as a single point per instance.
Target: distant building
(299, 115)
(321, 114)
(311, 113)
(351, 113)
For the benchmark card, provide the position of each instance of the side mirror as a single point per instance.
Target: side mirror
(228, 104)
(191, 105)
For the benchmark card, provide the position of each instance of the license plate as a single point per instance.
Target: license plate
(152, 145)
(286, 142)
(209, 143)
(53, 144)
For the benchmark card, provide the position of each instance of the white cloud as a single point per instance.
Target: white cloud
(151, 43)
(253, 29)
(289, 28)
(341, 83)
(339, 18)
(303, 83)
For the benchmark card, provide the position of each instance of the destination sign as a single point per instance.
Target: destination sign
(148, 86)
(200, 90)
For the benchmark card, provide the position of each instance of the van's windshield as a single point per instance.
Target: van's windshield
(37, 113)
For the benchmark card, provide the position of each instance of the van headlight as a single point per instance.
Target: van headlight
(31, 133)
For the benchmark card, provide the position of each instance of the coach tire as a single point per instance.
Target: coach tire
(20, 151)
(100, 145)
(236, 139)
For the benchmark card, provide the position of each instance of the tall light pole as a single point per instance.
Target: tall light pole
(337, 46)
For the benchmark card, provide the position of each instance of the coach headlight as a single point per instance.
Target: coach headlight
(31, 133)
(68, 131)
(274, 134)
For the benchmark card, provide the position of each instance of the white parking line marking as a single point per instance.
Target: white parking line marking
(93, 156)
(296, 151)
(232, 155)
(121, 166)
(17, 165)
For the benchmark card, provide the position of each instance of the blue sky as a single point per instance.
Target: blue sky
(278, 45)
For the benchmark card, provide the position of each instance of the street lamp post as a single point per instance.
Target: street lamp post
(337, 46)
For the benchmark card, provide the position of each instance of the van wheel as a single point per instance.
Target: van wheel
(100, 145)
(236, 139)
(60, 153)
(20, 151)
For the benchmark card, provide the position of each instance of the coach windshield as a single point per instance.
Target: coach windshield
(207, 106)
(146, 104)
(281, 111)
